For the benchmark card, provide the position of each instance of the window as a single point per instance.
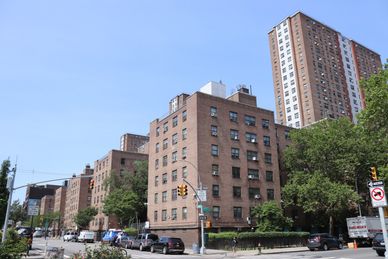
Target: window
(165, 160)
(253, 174)
(157, 131)
(174, 156)
(184, 172)
(174, 175)
(164, 215)
(235, 153)
(156, 163)
(157, 148)
(253, 192)
(236, 172)
(216, 190)
(122, 161)
(216, 212)
(156, 198)
(184, 134)
(164, 178)
(175, 121)
(267, 158)
(251, 137)
(269, 176)
(175, 139)
(164, 196)
(237, 212)
(267, 141)
(265, 123)
(184, 152)
(184, 213)
(213, 111)
(252, 155)
(156, 180)
(165, 127)
(233, 116)
(236, 192)
(215, 169)
(250, 120)
(213, 130)
(270, 194)
(155, 215)
(287, 134)
(234, 134)
(214, 150)
(173, 214)
(165, 143)
(184, 115)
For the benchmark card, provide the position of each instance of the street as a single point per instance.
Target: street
(361, 253)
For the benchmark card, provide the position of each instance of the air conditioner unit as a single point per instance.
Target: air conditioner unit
(213, 114)
(257, 196)
(215, 173)
(253, 140)
(214, 134)
(250, 177)
(235, 137)
(254, 158)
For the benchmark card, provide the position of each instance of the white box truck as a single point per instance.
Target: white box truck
(363, 229)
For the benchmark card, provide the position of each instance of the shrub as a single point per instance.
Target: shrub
(14, 247)
(131, 231)
(102, 252)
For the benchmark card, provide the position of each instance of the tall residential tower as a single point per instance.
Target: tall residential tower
(316, 71)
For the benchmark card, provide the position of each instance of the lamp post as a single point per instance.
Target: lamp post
(200, 202)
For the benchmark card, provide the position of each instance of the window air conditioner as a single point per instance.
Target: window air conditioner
(254, 158)
(235, 137)
(215, 173)
(253, 140)
(250, 177)
(213, 114)
(257, 196)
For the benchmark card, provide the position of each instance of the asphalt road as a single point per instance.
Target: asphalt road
(361, 253)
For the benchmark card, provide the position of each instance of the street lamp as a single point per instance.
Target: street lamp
(200, 201)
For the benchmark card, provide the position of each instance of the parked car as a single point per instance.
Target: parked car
(378, 244)
(125, 241)
(110, 236)
(70, 236)
(168, 245)
(38, 233)
(323, 241)
(86, 236)
(144, 241)
(24, 231)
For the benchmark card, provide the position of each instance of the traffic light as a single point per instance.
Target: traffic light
(185, 191)
(180, 189)
(91, 184)
(373, 173)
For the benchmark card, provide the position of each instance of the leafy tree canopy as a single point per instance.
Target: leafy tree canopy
(270, 217)
(83, 217)
(17, 212)
(3, 189)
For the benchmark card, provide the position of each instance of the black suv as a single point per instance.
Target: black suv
(378, 244)
(323, 241)
(168, 245)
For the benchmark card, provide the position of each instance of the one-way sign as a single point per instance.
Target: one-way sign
(375, 183)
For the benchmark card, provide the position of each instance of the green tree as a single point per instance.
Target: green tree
(3, 189)
(17, 212)
(84, 216)
(318, 195)
(373, 121)
(270, 217)
(128, 196)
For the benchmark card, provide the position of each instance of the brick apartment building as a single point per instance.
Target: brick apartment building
(78, 196)
(226, 143)
(47, 205)
(59, 206)
(116, 162)
(316, 71)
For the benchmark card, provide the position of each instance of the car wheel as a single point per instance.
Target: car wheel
(325, 247)
(141, 248)
(340, 245)
(165, 251)
(152, 249)
(380, 253)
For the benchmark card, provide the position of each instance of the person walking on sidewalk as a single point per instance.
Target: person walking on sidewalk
(234, 245)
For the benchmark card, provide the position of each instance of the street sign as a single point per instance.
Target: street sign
(375, 183)
(377, 194)
(206, 209)
(202, 217)
(201, 195)
(33, 207)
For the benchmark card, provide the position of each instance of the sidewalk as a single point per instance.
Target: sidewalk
(251, 252)
(36, 253)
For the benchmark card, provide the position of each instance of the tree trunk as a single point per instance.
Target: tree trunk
(331, 225)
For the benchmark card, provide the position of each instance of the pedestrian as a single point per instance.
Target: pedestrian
(29, 243)
(234, 245)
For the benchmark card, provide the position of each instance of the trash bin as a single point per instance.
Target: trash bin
(54, 252)
(195, 248)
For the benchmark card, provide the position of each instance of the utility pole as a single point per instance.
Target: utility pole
(10, 183)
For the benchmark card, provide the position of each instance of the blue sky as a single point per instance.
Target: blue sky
(76, 75)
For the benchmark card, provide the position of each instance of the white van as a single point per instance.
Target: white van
(70, 236)
(86, 236)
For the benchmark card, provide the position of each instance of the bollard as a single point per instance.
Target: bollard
(354, 244)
